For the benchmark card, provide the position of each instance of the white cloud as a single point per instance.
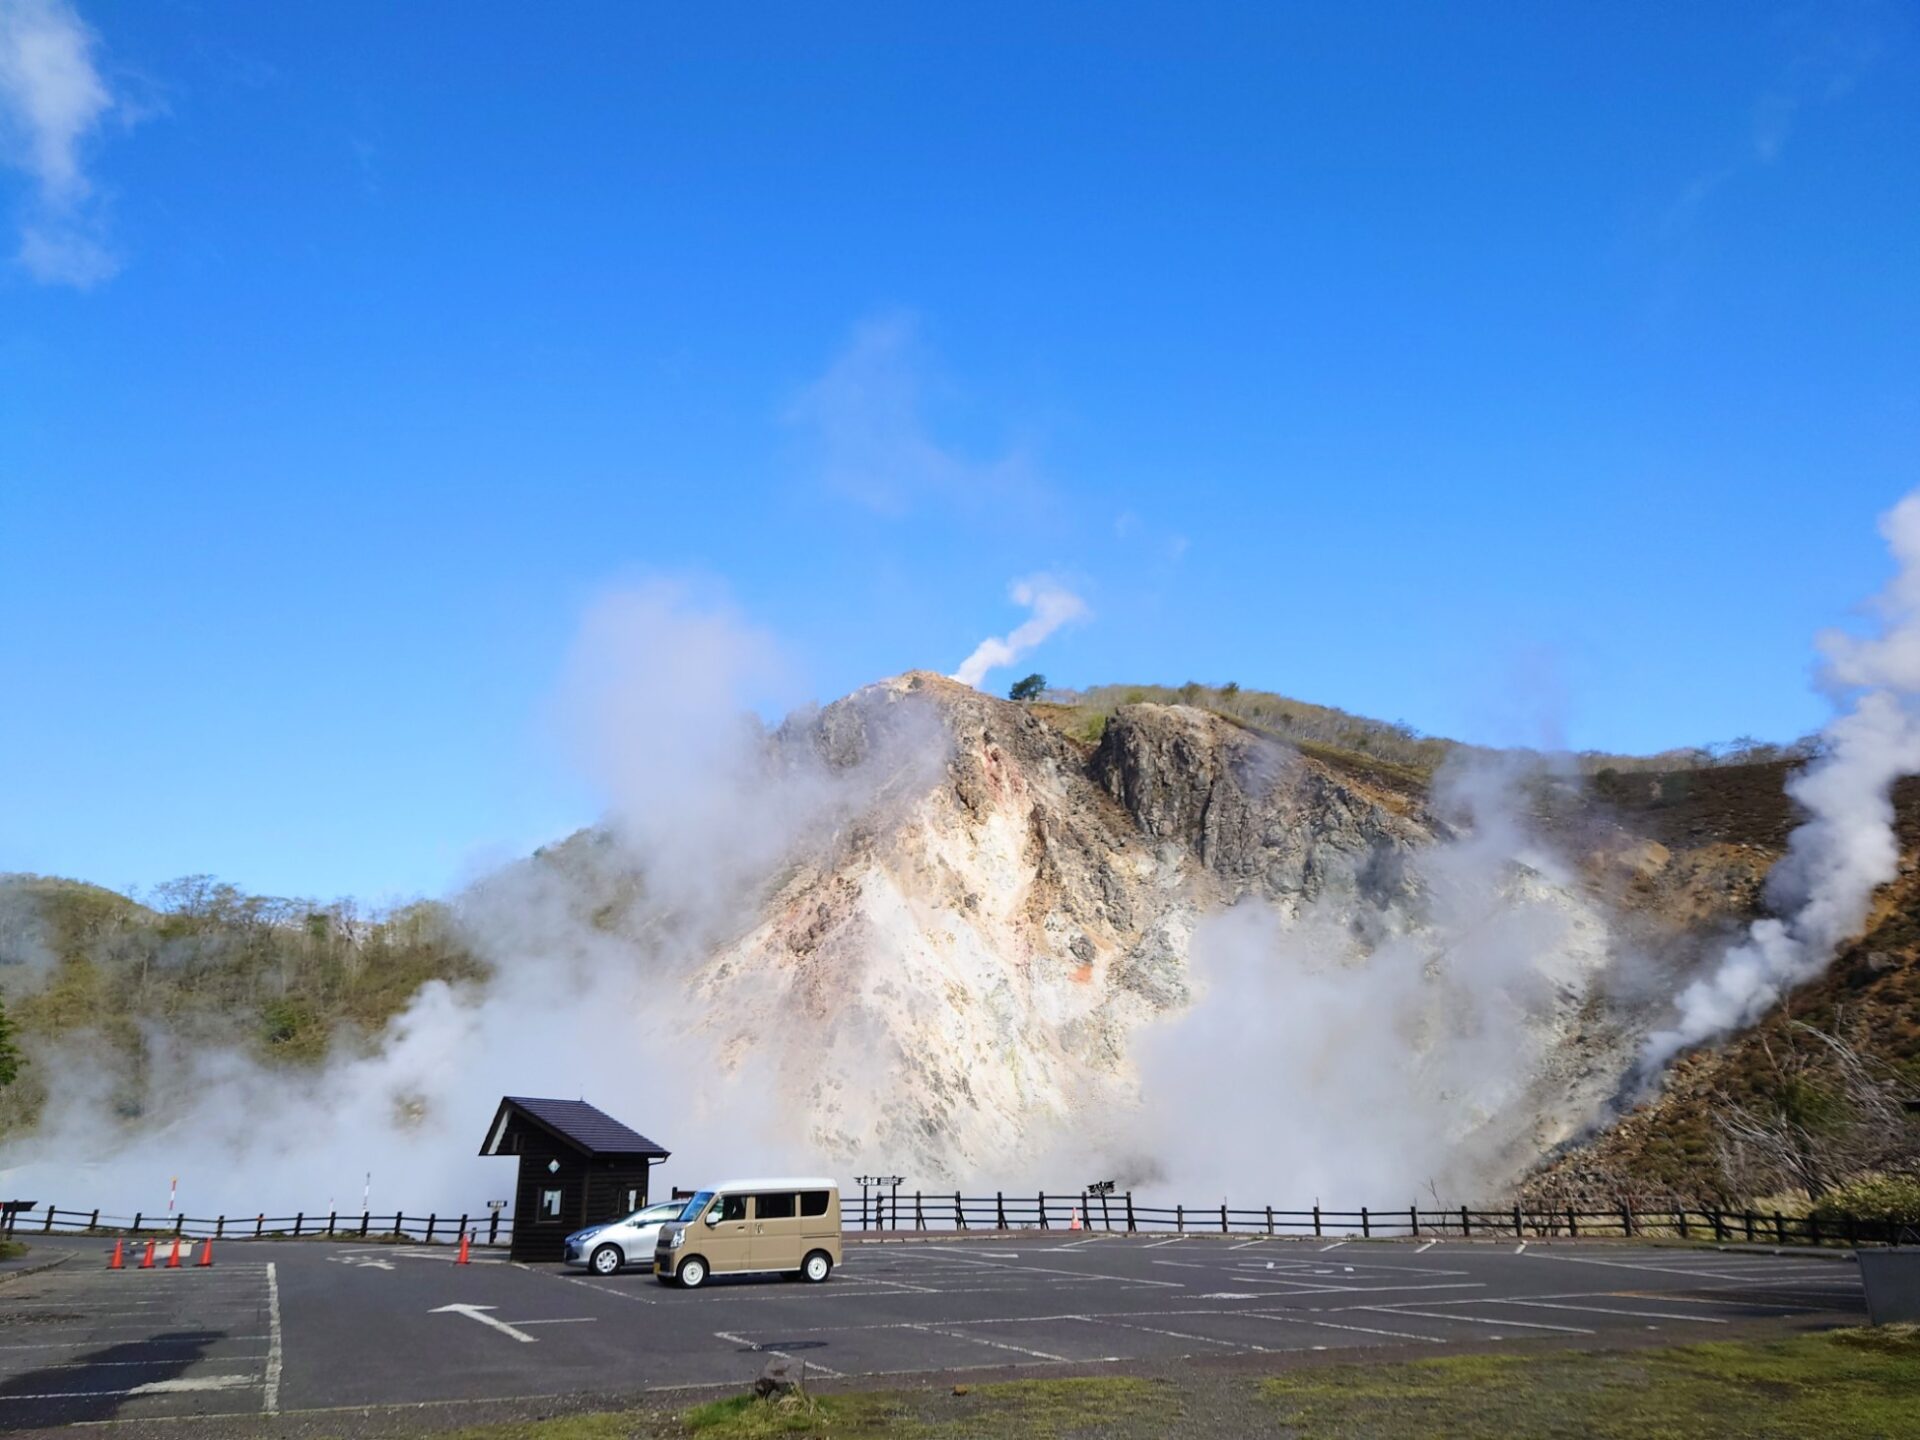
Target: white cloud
(51, 100)
(1052, 604)
(864, 418)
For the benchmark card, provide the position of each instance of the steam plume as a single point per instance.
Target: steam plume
(1822, 891)
(1053, 605)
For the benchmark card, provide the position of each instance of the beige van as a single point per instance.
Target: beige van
(784, 1225)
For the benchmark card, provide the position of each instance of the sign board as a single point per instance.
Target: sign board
(496, 1205)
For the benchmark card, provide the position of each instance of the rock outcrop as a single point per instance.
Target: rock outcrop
(957, 978)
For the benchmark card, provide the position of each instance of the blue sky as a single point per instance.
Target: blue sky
(1508, 370)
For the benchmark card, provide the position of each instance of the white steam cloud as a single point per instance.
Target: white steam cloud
(1822, 890)
(594, 944)
(1052, 604)
(51, 100)
(1395, 1041)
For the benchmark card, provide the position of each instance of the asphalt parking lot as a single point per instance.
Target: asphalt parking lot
(278, 1328)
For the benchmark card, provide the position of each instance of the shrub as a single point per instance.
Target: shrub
(1879, 1197)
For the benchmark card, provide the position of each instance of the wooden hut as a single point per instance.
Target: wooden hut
(578, 1166)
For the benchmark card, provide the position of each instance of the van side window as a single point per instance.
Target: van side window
(733, 1207)
(813, 1202)
(773, 1207)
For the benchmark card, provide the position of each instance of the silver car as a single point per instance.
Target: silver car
(605, 1249)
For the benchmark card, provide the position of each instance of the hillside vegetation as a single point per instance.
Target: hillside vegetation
(204, 963)
(1326, 728)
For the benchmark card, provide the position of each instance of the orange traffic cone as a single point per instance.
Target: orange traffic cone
(1076, 1225)
(461, 1258)
(146, 1260)
(173, 1259)
(206, 1255)
(117, 1261)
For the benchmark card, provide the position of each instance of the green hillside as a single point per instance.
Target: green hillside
(207, 964)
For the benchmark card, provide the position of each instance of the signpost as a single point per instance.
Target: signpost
(1102, 1188)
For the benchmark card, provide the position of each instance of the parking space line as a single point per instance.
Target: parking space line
(1473, 1319)
(606, 1290)
(1000, 1344)
(270, 1398)
(1334, 1246)
(1239, 1347)
(1158, 1243)
(1248, 1245)
(760, 1349)
(1294, 1319)
(1598, 1310)
(71, 1343)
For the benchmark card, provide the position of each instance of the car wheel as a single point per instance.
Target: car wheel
(693, 1272)
(818, 1266)
(607, 1260)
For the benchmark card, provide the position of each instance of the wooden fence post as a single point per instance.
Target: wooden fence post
(399, 1223)
(297, 1219)
(919, 1215)
(493, 1228)
(220, 1228)
(1626, 1220)
(432, 1216)
(1130, 1224)
(47, 1228)
(259, 1224)
(1366, 1224)
(1749, 1219)
(179, 1224)
(959, 1212)
(1719, 1232)
(463, 1225)
(1682, 1218)
(1779, 1229)
(1517, 1234)
(1000, 1208)
(1223, 1220)
(1180, 1219)
(333, 1217)
(1269, 1219)
(94, 1223)
(1813, 1228)
(1043, 1210)
(1413, 1220)
(1316, 1219)
(366, 1219)
(1465, 1228)
(136, 1222)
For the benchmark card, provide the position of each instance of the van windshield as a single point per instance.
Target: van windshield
(694, 1206)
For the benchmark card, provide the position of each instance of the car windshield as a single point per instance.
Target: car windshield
(694, 1206)
(652, 1214)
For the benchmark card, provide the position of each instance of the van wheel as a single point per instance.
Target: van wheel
(693, 1272)
(607, 1260)
(818, 1266)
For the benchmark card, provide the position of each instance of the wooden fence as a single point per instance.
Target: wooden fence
(923, 1212)
(429, 1229)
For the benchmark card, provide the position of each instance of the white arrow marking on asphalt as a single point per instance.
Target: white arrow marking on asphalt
(474, 1312)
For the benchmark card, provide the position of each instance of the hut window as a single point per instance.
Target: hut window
(550, 1204)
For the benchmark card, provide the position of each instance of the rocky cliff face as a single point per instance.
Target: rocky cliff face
(955, 980)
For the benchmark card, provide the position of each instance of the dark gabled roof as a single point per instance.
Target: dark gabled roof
(586, 1128)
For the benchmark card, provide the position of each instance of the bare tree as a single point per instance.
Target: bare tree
(1821, 1114)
